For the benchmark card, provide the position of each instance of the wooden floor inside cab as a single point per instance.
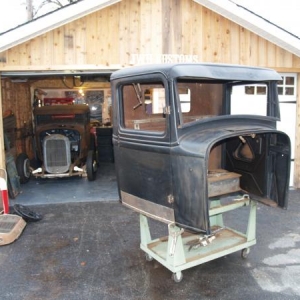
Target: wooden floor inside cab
(222, 182)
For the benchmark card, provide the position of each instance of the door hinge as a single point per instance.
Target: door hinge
(167, 110)
(170, 198)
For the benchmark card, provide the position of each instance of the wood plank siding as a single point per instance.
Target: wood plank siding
(111, 36)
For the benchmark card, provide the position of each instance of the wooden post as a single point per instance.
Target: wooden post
(297, 142)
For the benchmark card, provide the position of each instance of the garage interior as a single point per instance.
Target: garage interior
(24, 91)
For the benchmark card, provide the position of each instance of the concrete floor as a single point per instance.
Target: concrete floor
(72, 189)
(89, 249)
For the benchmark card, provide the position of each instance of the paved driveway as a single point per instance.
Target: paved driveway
(90, 250)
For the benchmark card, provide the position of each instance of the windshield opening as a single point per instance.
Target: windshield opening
(144, 106)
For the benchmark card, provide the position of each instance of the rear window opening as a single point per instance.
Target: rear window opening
(199, 100)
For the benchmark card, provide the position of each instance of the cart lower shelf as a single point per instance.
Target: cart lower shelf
(182, 250)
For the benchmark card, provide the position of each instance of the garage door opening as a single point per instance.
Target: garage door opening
(37, 90)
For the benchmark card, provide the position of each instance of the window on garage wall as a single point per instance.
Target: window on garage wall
(287, 86)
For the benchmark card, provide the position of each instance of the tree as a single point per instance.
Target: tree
(29, 10)
(36, 8)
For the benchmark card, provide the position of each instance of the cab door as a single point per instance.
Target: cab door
(142, 147)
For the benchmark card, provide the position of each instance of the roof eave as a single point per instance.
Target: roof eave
(254, 23)
(49, 22)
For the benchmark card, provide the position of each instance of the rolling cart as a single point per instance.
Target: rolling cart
(181, 250)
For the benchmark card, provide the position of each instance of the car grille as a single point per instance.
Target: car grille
(56, 150)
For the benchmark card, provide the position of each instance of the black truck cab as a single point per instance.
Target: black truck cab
(183, 136)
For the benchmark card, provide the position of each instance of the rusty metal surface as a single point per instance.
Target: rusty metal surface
(172, 162)
(153, 210)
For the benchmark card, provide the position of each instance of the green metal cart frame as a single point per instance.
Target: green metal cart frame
(181, 250)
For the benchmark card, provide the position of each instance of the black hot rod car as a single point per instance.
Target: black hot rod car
(64, 144)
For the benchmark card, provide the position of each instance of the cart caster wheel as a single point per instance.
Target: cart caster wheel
(177, 277)
(245, 252)
(148, 257)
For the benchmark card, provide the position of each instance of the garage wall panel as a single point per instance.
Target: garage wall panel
(17, 100)
(192, 13)
(151, 27)
(112, 35)
(69, 44)
(58, 50)
(92, 38)
(80, 41)
(46, 53)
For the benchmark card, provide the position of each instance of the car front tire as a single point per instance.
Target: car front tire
(91, 165)
(23, 167)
